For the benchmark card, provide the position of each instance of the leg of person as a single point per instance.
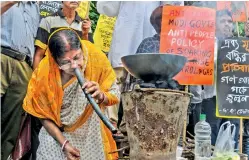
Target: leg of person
(15, 76)
(35, 130)
(236, 122)
(112, 114)
(120, 113)
(208, 108)
(194, 116)
(112, 111)
(246, 137)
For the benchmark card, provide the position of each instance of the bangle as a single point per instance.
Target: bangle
(64, 144)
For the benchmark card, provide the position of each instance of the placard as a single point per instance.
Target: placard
(49, 7)
(103, 32)
(83, 9)
(186, 32)
(232, 81)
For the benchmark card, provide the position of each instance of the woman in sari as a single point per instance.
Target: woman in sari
(71, 129)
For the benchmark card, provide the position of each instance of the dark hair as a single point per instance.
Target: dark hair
(63, 41)
(156, 19)
(223, 12)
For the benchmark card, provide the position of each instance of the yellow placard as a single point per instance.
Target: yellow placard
(83, 9)
(103, 33)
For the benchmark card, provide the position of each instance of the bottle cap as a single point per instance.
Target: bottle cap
(202, 117)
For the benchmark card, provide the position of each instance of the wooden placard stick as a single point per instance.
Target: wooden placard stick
(184, 133)
(241, 135)
(241, 119)
(184, 124)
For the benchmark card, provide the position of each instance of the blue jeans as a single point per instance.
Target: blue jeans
(209, 108)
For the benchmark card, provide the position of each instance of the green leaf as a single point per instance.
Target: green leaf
(93, 15)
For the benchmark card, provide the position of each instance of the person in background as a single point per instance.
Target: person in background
(71, 129)
(64, 17)
(152, 44)
(224, 29)
(195, 108)
(224, 24)
(19, 24)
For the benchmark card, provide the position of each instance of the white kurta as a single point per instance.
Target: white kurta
(132, 26)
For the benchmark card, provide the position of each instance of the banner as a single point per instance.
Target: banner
(48, 7)
(239, 9)
(232, 81)
(103, 33)
(186, 32)
(83, 9)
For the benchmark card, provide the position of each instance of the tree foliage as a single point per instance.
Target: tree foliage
(93, 15)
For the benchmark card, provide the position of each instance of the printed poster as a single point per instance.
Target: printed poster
(186, 32)
(83, 9)
(103, 32)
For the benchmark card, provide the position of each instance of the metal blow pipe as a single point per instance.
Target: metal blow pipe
(94, 104)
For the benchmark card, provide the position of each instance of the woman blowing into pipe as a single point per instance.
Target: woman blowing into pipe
(71, 129)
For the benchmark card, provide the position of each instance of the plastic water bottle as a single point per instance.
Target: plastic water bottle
(202, 139)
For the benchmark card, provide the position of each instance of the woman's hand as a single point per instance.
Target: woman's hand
(71, 152)
(93, 88)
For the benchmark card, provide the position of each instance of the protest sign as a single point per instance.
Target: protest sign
(83, 9)
(186, 32)
(48, 7)
(232, 81)
(103, 32)
(239, 9)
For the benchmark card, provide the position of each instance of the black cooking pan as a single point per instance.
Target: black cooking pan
(152, 67)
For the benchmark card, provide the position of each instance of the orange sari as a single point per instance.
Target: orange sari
(45, 91)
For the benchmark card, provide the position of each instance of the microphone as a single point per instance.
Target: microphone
(94, 104)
